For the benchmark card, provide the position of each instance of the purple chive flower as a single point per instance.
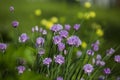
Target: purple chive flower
(63, 33)
(47, 61)
(117, 58)
(79, 53)
(74, 41)
(107, 71)
(110, 51)
(61, 46)
(3, 47)
(44, 32)
(59, 78)
(98, 57)
(11, 9)
(95, 45)
(41, 52)
(90, 52)
(88, 68)
(41, 30)
(15, 24)
(20, 69)
(23, 38)
(101, 78)
(76, 26)
(67, 27)
(57, 39)
(56, 27)
(59, 59)
(40, 41)
(100, 63)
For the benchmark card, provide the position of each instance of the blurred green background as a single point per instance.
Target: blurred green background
(36, 12)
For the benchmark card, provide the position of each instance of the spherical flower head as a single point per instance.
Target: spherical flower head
(76, 26)
(61, 46)
(95, 46)
(15, 24)
(107, 71)
(110, 51)
(99, 32)
(63, 33)
(88, 68)
(38, 12)
(90, 52)
(57, 39)
(54, 19)
(59, 59)
(11, 9)
(44, 32)
(20, 69)
(84, 45)
(59, 78)
(98, 57)
(41, 52)
(74, 41)
(23, 38)
(100, 63)
(79, 53)
(87, 5)
(41, 30)
(40, 41)
(56, 27)
(47, 61)
(92, 14)
(3, 47)
(67, 27)
(117, 58)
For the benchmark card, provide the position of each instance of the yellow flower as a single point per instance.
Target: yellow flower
(44, 22)
(99, 32)
(49, 24)
(92, 14)
(38, 12)
(87, 16)
(54, 19)
(84, 44)
(87, 5)
(95, 26)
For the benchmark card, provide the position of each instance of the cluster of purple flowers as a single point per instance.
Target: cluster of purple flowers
(61, 40)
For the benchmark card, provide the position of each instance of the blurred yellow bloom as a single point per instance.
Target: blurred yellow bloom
(80, 15)
(49, 24)
(44, 22)
(86, 16)
(38, 12)
(95, 26)
(54, 19)
(99, 32)
(87, 5)
(84, 44)
(92, 14)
